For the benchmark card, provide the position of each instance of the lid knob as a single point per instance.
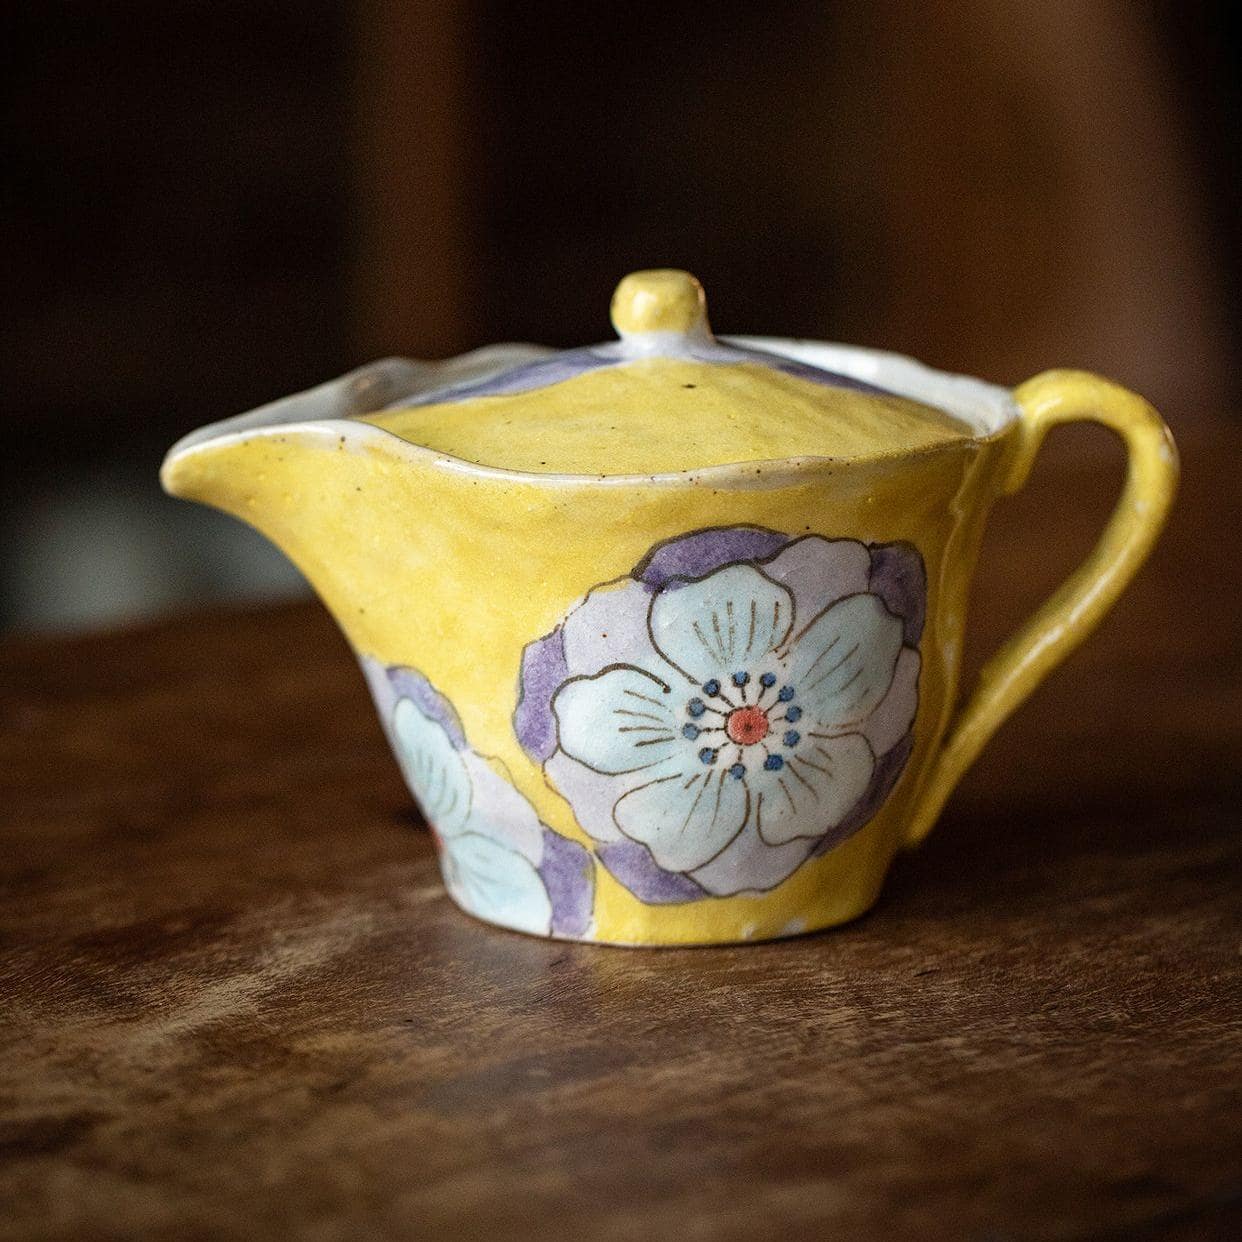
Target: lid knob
(661, 300)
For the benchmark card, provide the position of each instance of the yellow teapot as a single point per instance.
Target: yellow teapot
(665, 633)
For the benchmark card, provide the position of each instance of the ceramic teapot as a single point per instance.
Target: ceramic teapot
(665, 633)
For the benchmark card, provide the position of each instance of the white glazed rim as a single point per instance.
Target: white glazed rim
(329, 412)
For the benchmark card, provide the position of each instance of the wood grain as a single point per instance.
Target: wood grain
(237, 1003)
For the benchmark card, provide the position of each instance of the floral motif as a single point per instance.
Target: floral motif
(499, 861)
(739, 702)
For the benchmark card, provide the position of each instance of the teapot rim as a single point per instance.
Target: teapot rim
(330, 411)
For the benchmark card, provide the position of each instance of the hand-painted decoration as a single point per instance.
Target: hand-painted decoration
(499, 861)
(743, 700)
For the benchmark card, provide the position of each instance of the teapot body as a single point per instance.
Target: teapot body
(665, 633)
(779, 642)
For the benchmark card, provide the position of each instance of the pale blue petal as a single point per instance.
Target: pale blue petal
(723, 624)
(815, 789)
(685, 819)
(843, 662)
(433, 768)
(621, 720)
(496, 884)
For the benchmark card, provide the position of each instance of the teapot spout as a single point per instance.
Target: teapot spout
(362, 391)
(189, 467)
(292, 469)
(299, 484)
(216, 465)
(320, 484)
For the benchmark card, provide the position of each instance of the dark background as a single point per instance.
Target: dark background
(209, 205)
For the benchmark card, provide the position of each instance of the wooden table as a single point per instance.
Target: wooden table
(237, 1003)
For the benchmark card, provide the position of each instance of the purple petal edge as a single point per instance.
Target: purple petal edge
(632, 864)
(568, 873)
(543, 671)
(542, 373)
(408, 684)
(900, 580)
(699, 553)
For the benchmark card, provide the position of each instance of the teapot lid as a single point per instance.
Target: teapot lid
(667, 395)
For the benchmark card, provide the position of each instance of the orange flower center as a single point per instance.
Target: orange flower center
(747, 725)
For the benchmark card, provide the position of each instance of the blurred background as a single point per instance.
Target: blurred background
(210, 204)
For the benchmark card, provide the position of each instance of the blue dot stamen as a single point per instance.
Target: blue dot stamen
(774, 763)
(696, 707)
(792, 737)
(740, 679)
(786, 693)
(793, 713)
(768, 679)
(711, 687)
(690, 731)
(707, 755)
(737, 771)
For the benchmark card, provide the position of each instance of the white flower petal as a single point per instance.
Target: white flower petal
(685, 819)
(609, 627)
(433, 768)
(495, 883)
(591, 794)
(621, 720)
(747, 864)
(891, 720)
(818, 572)
(814, 791)
(843, 662)
(380, 687)
(500, 811)
(721, 624)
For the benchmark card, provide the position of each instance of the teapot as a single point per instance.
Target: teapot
(665, 633)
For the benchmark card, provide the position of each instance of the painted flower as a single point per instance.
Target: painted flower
(739, 702)
(499, 861)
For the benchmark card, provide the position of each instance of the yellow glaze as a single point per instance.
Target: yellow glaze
(452, 570)
(661, 299)
(659, 414)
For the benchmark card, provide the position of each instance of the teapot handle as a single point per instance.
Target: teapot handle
(1079, 604)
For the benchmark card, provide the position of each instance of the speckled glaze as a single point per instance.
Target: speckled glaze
(661, 672)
